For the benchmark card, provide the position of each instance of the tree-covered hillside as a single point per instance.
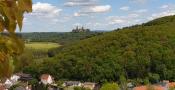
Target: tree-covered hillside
(141, 52)
(61, 38)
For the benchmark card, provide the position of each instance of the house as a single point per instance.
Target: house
(8, 83)
(89, 85)
(130, 86)
(46, 79)
(72, 83)
(2, 87)
(28, 87)
(163, 85)
(14, 78)
(167, 84)
(12, 81)
(171, 85)
(154, 87)
(24, 77)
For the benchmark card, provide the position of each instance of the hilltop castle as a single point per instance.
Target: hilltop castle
(82, 29)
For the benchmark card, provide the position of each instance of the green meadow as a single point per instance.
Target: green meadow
(42, 45)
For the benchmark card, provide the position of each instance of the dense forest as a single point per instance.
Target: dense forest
(61, 38)
(142, 53)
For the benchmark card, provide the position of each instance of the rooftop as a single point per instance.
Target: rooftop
(146, 87)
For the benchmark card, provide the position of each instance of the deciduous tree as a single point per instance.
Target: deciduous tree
(11, 16)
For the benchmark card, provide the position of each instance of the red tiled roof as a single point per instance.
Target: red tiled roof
(172, 84)
(146, 88)
(44, 76)
(2, 87)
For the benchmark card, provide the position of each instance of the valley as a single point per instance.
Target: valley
(137, 53)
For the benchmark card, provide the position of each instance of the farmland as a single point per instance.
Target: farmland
(42, 45)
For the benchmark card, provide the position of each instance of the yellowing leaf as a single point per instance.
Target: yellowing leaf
(1, 25)
(25, 5)
(12, 11)
(3, 56)
(11, 15)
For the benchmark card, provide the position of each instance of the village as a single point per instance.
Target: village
(23, 81)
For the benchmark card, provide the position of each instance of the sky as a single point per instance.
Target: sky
(64, 15)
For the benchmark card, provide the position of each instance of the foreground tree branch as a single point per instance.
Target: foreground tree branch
(11, 16)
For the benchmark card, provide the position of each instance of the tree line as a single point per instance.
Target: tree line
(61, 38)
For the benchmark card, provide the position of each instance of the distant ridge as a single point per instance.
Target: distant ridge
(57, 37)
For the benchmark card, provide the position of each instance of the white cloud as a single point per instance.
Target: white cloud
(161, 14)
(87, 7)
(139, 1)
(99, 9)
(166, 10)
(93, 9)
(77, 24)
(133, 15)
(168, 6)
(116, 20)
(72, 3)
(25, 20)
(164, 6)
(45, 10)
(77, 14)
(95, 24)
(127, 20)
(141, 11)
(125, 8)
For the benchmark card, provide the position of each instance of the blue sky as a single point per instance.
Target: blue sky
(64, 15)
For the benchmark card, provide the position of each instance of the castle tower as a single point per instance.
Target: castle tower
(77, 28)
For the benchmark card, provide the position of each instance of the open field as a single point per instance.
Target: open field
(42, 45)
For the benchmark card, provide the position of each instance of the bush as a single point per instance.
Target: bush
(80, 88)
(110, 86)
(154, 78)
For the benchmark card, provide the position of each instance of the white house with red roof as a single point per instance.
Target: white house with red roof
(46, 79)
(8, 83)
(14, 79)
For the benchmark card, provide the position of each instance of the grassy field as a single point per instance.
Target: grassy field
(42, 45)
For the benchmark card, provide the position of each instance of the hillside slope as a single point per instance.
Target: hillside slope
(144, 51)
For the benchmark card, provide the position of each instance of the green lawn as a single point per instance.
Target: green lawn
(42, 45)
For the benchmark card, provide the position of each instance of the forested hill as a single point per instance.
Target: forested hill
(57, 37)
(143, 52)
